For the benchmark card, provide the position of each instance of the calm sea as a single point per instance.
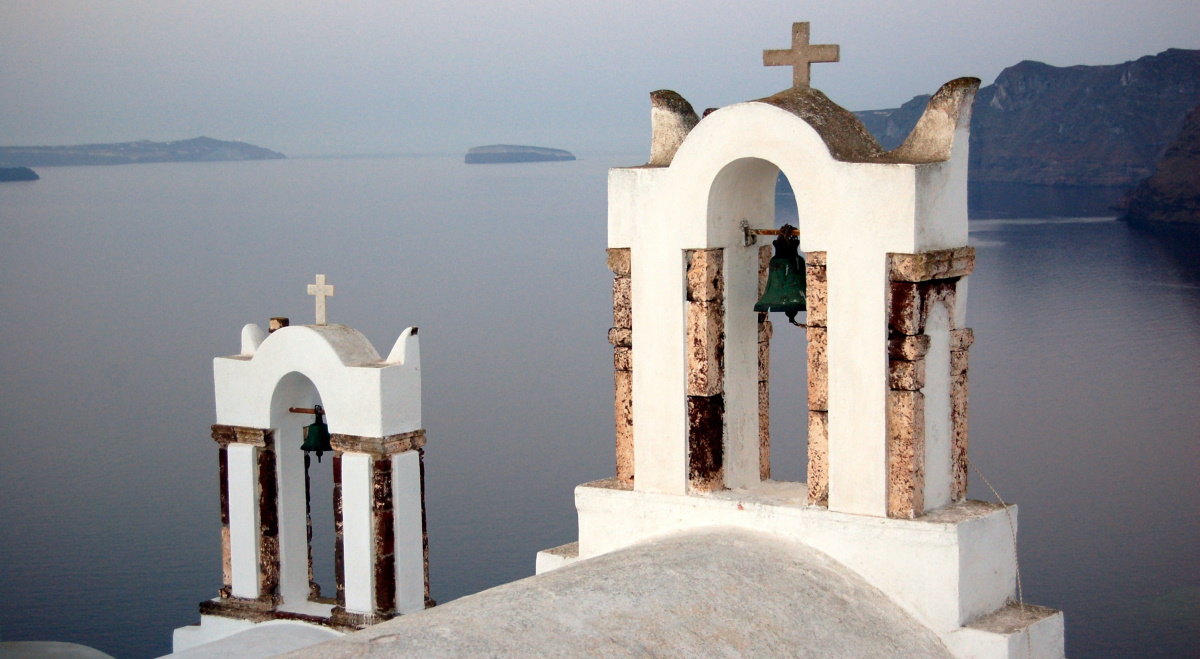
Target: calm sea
(118, 285)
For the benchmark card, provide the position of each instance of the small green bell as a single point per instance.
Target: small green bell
(316, 436)
(785, 290)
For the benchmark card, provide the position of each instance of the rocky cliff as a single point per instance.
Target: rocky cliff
(198, 149)
(1069, 126)
(1172, 193)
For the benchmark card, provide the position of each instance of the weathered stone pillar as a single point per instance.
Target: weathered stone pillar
(249, 517)
(817, 303)
(960, 344)
(705, 369)
(919, 284)
(339, 536)
(765, 331)
(621, 338)
(226, 556)
(382, 550)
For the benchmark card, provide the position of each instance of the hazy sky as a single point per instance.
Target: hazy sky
(324, 77)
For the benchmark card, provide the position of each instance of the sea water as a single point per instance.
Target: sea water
(118, 285)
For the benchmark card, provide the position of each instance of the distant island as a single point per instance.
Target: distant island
(494, 153)
(17, 174)
(198, 149)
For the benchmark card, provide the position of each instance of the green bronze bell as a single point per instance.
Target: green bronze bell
(316, 436)
(785, 290)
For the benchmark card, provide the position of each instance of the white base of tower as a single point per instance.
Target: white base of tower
(215, 637)
(953, 569)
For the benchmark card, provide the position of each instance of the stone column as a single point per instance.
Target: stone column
(765, 332)
(621, 338)
(249, 517)
(817, 303)
(919, 283)
(960, 343)
(705, 369)
(382, 550)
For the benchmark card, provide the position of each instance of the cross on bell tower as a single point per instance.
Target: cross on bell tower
(320, 290)
(801, 56)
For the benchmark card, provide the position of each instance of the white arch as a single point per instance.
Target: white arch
(362, 394)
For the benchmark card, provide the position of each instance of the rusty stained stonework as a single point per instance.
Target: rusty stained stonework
(765, 332)
(919, 283)
(705, 368)
(424, 528)
(817, 301)
(384, 542)
(960, 343)
(339, 537)
(621, 338)
(226, 548)
(263, 441)
(268, 514)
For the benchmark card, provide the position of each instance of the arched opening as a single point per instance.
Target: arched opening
(764, 360)
(788, 382)
(306, 503)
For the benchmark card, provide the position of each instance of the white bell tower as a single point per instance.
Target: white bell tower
(264, 397)
(885, 237)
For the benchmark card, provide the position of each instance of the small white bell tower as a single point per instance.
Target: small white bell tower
(265, 396)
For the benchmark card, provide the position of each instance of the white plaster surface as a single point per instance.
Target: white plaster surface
(1043, 639)
(724, 174)
(48, 650)
(552, 559)
(362, 394)
(358, 532)
(211, 628)
(252, 337)
(711, 592)
(410, 532)
(945, 569)
(265, 639)
(243, 519)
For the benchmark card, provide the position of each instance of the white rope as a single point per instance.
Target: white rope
(1016, 558)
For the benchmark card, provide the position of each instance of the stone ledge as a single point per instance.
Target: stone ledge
(924, 266)
(1011, 631)
(379, 447)
(225, 435)
(552, 559)
(618, 261)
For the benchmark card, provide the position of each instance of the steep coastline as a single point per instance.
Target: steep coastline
(1172, 193)
(1076, 126)
(198, 149)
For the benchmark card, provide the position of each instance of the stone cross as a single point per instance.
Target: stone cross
(801, 56)
(320, 290)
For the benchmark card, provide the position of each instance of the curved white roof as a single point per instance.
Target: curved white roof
(712, 592)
